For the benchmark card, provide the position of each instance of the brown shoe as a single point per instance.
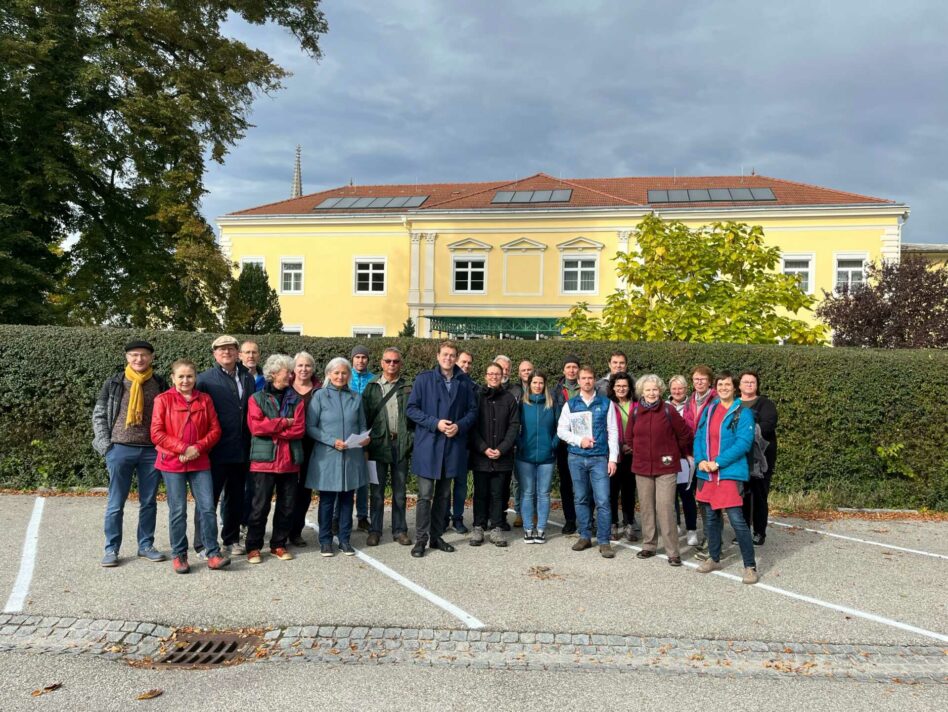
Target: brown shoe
(403, 539)
(373, 539)
(645, 554)
(582, 544)
(606, 551)
(750, 575)
(518, 521)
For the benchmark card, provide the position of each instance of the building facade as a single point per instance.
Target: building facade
(508, 258)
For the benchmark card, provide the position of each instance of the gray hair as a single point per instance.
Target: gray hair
(649, 378)
(305, 356)
(336, 363)
(678, 379)
(501, 357)
(392, 350)
(276, 363)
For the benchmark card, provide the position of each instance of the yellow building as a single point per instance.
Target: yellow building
(510, 257)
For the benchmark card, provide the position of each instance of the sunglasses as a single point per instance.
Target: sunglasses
(391, 360)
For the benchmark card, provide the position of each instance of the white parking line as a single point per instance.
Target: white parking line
(806, 599)
(856, 539)
(21, 587)
(462, 615)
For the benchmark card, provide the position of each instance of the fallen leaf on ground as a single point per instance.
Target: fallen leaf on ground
(49, 688)
(150, 694)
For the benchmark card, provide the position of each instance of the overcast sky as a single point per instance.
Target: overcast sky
(850, 95)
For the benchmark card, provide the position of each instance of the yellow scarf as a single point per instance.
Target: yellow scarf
(136, 398)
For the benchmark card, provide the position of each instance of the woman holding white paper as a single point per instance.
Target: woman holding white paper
(336, 469)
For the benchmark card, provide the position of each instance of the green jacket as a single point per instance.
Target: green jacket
(380, 448)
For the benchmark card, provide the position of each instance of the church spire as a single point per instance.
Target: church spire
(297, 176)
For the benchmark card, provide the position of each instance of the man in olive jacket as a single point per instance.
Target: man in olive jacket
(384, 400)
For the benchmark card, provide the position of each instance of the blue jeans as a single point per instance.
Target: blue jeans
(202, 487)
(459, 496)
(741, 530)
(330, 502)
(535, 483)
(121, 461)
(591, 473)
(361, 505)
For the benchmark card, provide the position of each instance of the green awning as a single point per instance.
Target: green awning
(495, 327)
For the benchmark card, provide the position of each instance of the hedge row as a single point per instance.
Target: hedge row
(837, 406)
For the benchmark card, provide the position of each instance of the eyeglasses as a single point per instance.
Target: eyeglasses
(391, 360)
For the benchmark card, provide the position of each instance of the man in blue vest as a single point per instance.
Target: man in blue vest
(589, 428)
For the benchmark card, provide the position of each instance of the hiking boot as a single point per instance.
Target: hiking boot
(281, 553)
(326, 550)
(373, 539)
(152, 554)
(363, 525)
(441, 545)
(518, 520)
(582, 544)
(569, 527)
(539, 536)
(180, 565)
(709, 565)
(110, 559)
(692, 539)
(217, 562)
(403, 539)
(750, 575)
(606, 551)
(254, 557)
(346, 548)
(497, 537)
(477, 538)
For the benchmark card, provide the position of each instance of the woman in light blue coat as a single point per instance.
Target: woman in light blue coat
(335, 470)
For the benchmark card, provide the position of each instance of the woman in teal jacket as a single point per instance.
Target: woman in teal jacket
(723, 440)
(536, 453)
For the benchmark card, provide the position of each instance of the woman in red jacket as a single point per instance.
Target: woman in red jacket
(275, 418)
(659, 438)
(184, 428)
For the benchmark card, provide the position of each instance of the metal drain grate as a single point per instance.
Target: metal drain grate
(208, 650)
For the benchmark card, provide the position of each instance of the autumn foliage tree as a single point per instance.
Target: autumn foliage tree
(709, 284)
(901, 305)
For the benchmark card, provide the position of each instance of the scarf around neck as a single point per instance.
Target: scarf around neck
(136, 395)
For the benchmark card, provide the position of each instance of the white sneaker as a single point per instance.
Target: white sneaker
(692, 537)
(237, 549)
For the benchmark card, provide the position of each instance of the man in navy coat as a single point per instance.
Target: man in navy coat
(443, 407)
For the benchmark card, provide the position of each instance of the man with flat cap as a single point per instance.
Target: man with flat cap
(121, 426)
(230, 385)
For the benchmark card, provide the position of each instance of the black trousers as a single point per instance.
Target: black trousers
(302, 498)
(230, 479)
(264, 485)
(431, 511)
(622, 485)
(755, 503)
(566, 484)
(489, 504)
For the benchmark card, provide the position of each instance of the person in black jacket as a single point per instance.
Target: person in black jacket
(765, 415)
(230, 386)
(492, 443)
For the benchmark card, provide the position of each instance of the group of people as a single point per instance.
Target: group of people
(240, 433)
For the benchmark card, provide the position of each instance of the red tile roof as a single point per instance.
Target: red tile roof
(586, 193)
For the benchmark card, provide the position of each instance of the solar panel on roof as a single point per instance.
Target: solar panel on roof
(763, 194)
(658, 196)
(416, 200)
(541, 196)
(678, 196)
(561, 196)
(345, 202)
(699, 196)
(719, 194)
(380, 202)
(741, 194)
(362, 202)
(327, 203)
(502, 196)
(522, 196)
(398, 202)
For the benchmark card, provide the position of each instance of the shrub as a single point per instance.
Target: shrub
(860, 427)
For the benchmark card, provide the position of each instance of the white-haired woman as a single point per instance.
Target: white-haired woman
(659, 438)
(678, 397)
(275, 417)
(335, 470)
(305, 384)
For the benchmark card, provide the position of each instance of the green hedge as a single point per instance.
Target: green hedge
(837, 406)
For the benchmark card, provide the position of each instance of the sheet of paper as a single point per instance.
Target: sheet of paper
(580, 424)
(373, 472)
(355, 440)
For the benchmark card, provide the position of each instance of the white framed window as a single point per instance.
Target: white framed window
(579, 274)
(293, 329)
(369, 276)
(368, 332)
(259, 261)
(469, 275)
(291, 275)
(800, 265)
(850, 271)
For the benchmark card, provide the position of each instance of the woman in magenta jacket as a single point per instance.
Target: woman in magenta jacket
(658, 438)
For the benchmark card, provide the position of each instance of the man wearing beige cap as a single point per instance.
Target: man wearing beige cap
(230, 386)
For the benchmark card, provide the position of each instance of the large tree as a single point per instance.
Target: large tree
(902, 305)
(253, 306)
(707, 284)
(108, 110)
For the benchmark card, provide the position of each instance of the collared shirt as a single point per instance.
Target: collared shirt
(236, 376)
(448, 382)
(565, 433)
(391, 407)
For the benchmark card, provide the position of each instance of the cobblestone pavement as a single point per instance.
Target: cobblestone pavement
(142, 643)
